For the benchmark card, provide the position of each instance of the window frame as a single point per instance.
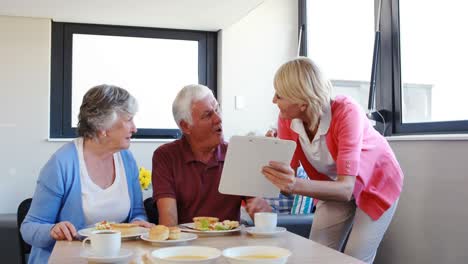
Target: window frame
(388, 83)
(61, 69)
(440, 127)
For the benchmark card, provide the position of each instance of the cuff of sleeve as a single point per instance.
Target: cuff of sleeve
(347, 167)
(163, 195)
(139, 218)
(47, 239)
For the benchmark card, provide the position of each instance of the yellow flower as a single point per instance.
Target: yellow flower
(145, 178)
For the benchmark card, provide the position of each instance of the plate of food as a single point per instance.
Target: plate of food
(206, 225)
(164, 235)
(127, 230)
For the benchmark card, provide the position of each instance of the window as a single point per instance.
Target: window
(432, 51)
(420, 83)
(152, 64)
(341, 43)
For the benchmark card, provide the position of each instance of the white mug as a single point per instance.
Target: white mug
(104, 243)
(265, 222)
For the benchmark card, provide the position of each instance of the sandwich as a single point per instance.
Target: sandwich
(211, 220)
(103, 225)
(125, 228)
(174, 233)
(203, 223)
(159, 232)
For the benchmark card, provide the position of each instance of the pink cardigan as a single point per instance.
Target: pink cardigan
(358, 150)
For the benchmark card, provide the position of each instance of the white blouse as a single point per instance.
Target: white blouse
(316, 151)
(111, 204)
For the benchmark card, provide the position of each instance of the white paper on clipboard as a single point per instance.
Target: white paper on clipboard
(245, 157)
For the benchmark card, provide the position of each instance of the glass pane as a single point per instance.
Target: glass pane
(153, 70)
(433, 44)
(342, 42)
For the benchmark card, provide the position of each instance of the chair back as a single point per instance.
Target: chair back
(23, 209)
(151, 210)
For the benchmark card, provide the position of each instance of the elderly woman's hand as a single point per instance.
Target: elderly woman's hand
(63, 230)
(281, 175)
(142, 223)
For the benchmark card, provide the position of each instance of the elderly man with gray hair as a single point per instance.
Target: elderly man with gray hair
(91, 179)
(187, 171)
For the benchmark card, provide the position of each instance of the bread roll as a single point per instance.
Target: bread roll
(159, 232)
(125, 228)
(174, 233)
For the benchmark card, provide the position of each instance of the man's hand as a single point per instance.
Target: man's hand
(255, 205)
(63, 231)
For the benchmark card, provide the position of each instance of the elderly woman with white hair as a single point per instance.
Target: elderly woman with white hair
(354, 173)
(91, 179)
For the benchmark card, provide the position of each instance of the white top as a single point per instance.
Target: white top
(111, 204)
(316, 151)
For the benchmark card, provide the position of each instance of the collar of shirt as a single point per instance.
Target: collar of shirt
(325, 119)
(190, 157)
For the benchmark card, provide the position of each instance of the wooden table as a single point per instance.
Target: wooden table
(303, 250)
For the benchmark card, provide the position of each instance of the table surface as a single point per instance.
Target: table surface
(303, 250)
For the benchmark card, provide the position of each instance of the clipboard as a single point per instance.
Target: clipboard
(245, 157)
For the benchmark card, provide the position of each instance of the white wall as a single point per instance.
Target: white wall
(24, 77)
(430, 224)
(250, 51)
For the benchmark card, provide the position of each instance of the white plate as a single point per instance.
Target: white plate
(123, 256)
(161, 255)
(184, 237)
(189, 227)
(140, 231)
(255, 232)
(234, 254)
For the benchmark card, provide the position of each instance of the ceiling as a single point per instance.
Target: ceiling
(210, 15)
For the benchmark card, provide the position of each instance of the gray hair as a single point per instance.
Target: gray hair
(182, 105)
(101, 107)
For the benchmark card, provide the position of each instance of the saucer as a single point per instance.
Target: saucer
(255, 232)
(124, 255)
(184, 237)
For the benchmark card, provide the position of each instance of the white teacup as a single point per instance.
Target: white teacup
(104, 243)
(265, 222)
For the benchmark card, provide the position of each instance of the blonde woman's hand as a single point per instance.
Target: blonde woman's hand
(271, 133)
(63, 231)
(142, 223)
(281, 175)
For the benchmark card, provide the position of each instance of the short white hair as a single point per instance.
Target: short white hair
(182, 105)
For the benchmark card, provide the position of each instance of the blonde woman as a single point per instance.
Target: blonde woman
(354, 174)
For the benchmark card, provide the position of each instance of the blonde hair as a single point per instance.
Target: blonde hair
(301, 81)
